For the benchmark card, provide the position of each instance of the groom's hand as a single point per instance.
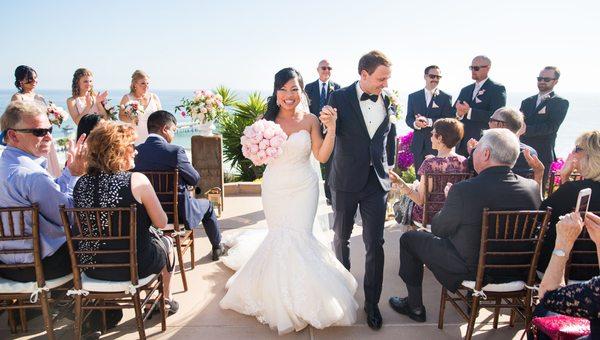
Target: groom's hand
(328, 110)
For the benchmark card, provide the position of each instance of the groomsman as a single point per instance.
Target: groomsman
(319, 90)
(318, 93)
(477, 102)
(423, 109)
(544, 112)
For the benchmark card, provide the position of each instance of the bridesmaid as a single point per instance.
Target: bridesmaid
(26, 82)
(138, 91)
(84, 99)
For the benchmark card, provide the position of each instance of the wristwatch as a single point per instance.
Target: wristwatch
(559, 252)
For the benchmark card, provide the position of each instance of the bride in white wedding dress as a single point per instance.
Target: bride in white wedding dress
(292, 280)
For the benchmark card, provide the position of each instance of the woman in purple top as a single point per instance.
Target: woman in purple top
(446, 134)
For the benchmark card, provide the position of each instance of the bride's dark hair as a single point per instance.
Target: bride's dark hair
(281, 77)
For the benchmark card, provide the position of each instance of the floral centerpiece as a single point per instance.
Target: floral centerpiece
(133, 109)
(204, 107)
(56, 114)
(555, 167)
(262, 142)
(405, 158)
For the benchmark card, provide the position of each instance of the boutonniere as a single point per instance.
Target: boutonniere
(542, 110)
(481, 92)
(393, 105)
(330, 87)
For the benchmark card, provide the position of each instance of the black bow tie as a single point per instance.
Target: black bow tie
(366, 96)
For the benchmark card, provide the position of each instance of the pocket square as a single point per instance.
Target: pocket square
(434, 106)
(542, 111)
(477, 100)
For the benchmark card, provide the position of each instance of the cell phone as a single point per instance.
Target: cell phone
(583, 201)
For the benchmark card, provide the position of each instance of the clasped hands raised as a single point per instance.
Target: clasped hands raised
(328, 117)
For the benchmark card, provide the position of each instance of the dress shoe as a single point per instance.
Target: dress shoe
(374, 319)
(217, 252)
(401, 306)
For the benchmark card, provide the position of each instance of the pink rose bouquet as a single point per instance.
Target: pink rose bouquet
(56, 114)
(133, 109)
(206, 106)
(262, 142)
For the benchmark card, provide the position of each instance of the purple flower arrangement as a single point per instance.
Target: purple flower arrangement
(555, 167)
(405, 158)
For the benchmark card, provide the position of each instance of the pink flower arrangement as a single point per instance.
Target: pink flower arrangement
(56, 114)
(262, 142)
(405, 158)
(555, 167)
(133, 109)
(206, 106)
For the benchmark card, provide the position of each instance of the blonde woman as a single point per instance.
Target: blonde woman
(85, 100)
(138, 91)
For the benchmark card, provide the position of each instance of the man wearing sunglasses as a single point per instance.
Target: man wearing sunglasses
(24, 180)
(423, 109)
(477, 102)
(544, 113)
(318, 93)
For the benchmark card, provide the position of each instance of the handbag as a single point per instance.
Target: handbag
(561, 327)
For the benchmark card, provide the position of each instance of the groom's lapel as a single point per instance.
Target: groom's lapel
(353, 99)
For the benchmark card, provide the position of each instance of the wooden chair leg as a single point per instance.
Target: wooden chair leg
(472, 317)
(46, 314)
(181, 264)
(497, 312)
(442, 308)
(192, 251)
(513, 315)
(138, 315)
(11, 320)
(77, 327)
(23, 317)
(163, 312)
(103, 311)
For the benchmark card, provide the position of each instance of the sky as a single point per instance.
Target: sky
(242, 44)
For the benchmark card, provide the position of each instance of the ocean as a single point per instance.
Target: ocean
(583, 114)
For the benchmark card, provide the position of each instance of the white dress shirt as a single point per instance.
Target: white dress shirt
(541, 97)
(428, 97)
(373, 112)
(478, 86)
(321, 86)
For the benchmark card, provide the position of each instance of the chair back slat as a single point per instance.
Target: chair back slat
(92, 226)
(584, 257)
(510, 245)
(434, 195)
(166, 184)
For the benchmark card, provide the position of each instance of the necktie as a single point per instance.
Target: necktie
(366, 96)
(323, 96)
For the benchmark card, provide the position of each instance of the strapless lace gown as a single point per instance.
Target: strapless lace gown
(292, 279)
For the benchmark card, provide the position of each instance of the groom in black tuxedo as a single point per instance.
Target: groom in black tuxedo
(477, 102)
(424, 108)
(359, 177)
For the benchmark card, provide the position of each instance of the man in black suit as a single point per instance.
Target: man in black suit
(318, 93)
(359, 175)
(544, 112)
(477, 102)
(451, 250)
(423, 109)
(157, 154)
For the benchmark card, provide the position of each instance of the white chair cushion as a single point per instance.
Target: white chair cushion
(512, 286)
(95, 285)
(15, 287)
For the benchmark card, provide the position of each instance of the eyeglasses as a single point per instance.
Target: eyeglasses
(477, 68)
(545, 79)
(577, 149)
(325, 68)
(494, 120)
(36, 132)
(433, 76)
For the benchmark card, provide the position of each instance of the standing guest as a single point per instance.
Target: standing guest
(477, 102)
(544, 112)
(24, 180)
(138, 91)
(451, 250)
(423, 109)
(26, 81)
(318, 93)
(586, 158)
(158, 154)
(85, 100)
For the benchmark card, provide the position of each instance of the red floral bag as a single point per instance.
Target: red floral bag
(561, 327)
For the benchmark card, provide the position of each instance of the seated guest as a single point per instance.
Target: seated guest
(87, 123)
(451, 250)
(108, 184)
(24, 180)
(508, 118)
(446, 134)
(586, 158)
(581, 299)
(157, 154)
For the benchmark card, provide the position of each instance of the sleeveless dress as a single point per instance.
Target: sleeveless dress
(110, 191)
(292, 279)
(142, 126)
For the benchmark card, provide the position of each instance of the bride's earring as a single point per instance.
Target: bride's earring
(277, 102)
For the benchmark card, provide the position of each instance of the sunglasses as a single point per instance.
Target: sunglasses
(35, 132)
(577, 149)
(433, 76)
(494, 120)
(545, 79)
(325, 68)
(477, 68)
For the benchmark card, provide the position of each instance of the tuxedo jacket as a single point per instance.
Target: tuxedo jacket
(354, 150)
(439, 107)
(155, 154)
(314, 94)
(490, 97)
(542, 123)
(460, 218)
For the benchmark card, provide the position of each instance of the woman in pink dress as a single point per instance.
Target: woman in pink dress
(138, 91)
(85, 100)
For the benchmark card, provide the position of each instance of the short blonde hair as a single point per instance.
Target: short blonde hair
(589, 166)
(107, 147)
(137, 75)
(15, 112)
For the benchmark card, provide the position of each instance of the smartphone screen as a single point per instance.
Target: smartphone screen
(583, 204)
